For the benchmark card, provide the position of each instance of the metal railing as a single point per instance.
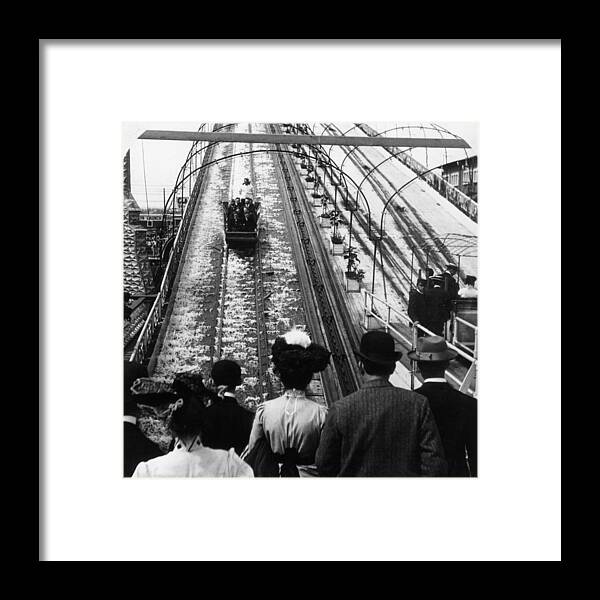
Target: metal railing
(153, 320)
(463, 202)
(384, 317)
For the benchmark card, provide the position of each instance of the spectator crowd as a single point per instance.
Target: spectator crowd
(434, 298)
(378, 431)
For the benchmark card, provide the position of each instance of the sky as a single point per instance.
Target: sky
(163, 159)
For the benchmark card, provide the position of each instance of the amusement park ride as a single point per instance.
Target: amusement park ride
(242, 221)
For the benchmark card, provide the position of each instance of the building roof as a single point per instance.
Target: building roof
(471, 160)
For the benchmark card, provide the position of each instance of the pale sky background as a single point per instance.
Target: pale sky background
(163, 159)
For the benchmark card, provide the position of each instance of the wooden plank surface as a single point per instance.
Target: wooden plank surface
(325, 140)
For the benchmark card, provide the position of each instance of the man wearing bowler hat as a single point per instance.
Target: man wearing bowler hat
(455, 413)
(380, 430)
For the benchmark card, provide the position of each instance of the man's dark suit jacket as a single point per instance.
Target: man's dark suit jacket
(416, 305)
(137, 448)
(380, 431)
(456, 417)
(229, 425)
(437, 310)
(451, 285)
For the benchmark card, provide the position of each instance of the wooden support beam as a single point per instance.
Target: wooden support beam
(324, 140)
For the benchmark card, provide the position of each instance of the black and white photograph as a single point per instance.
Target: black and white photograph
(301, 300)
(297, 300)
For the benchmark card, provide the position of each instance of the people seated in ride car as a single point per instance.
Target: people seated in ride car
(250, 217)
(230, 215)
(239, 222)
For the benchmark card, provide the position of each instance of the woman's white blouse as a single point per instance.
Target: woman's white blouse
(290, 421)
(200, 461)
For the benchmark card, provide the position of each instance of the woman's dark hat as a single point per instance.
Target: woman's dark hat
(378, 347)
(189, 382)
(470, 279)
(432, 348)
(226, 372)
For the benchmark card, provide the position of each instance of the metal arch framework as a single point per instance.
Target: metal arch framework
(385, 206)
(358, 191)
(247, 152)
(191, 154)
(422, 127)
(434, 127)
(333, 165)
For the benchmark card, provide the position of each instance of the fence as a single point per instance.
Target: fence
(465, 204)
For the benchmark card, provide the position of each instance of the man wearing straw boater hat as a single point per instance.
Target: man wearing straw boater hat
(380, 430)
(455, 413)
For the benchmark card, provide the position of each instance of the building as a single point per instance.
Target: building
(154, 217)
(462, 174)
(137, 275)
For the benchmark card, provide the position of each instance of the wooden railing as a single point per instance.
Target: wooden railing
(452, 194)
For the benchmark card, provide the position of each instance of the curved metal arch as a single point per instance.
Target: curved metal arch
(382, 162)
(380, 240)
(333, 165)
(445, 130)
(422, 127)
(331, 162)
(377, 135)
(344, 133)
(190, 156)
(345, 176)
(247, 152)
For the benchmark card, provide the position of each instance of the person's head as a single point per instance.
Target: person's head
(421, 285)
(226, 372)
(187, 417)
(428, 272)
(189, 383)
(131, 372)
(470, 279)
(377, 354)
(296, 358)
(432, 356)
(432, 369)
